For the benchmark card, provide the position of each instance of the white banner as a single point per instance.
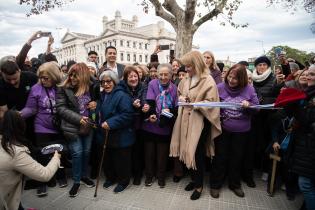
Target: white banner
(226, 105)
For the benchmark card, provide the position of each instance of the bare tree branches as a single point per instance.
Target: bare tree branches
(159, 11)
(215, 12)
(173, 7)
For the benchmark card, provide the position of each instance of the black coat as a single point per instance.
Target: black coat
(303, 139)
(120, 69)
(68, 109)
(268, 90)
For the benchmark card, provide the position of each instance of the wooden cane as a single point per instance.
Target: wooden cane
(101, 163)
(275, 158)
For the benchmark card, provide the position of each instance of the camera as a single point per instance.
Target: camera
(44, 34)
(164, 47)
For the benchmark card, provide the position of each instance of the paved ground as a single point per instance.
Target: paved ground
(173, 196)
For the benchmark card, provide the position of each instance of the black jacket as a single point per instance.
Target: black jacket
(303, 139)
(267, 89)
(120, 69)
(68, 109)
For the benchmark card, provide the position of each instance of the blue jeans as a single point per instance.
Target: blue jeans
(80, 151)
(307, 187)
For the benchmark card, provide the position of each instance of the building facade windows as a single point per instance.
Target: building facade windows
(140, 58)
(134, 58)
(128, 43)
(121, 56)
(128, 57)
(121, 43)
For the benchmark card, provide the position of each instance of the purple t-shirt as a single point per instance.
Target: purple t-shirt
(216, 75)
(38, 104)
(237, 120)
(83, 102)
(153, 92)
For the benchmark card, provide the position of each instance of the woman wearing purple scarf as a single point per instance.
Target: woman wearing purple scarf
(159, 120)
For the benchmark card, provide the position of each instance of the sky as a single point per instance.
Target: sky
(268, 26)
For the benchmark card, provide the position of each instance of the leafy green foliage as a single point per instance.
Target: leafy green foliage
(296, 54)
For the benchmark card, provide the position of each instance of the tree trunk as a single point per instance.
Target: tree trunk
(184, 38)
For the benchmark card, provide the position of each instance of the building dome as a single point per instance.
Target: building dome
(135, 18)
(117, 14)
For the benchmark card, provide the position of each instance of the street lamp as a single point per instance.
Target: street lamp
(262, 45)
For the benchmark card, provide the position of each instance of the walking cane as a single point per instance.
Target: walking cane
(275, 158)
(101, 163)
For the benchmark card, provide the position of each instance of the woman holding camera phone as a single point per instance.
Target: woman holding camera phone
(76, 98)
(15, 161)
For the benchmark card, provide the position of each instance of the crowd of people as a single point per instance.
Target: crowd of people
(135, 110)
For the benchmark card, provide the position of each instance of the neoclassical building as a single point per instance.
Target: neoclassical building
(133, 43)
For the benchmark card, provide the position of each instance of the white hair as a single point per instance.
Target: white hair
(112, 75)
(163, 65)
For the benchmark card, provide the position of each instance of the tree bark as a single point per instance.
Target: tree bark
(184, 38)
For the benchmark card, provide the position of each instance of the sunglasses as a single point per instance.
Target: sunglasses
(103, 82)
(44, 78)
(73, 75)
(208, 57)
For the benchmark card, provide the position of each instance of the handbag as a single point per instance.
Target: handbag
(55, 120)
(85, 129)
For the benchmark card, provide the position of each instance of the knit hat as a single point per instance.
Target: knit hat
(181, 69)
(289, 95)
(263, 59)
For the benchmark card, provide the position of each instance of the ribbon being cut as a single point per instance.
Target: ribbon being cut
(226, 105)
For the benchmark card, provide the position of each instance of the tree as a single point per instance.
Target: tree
(296, 54)
(40, 6)
(184, 19)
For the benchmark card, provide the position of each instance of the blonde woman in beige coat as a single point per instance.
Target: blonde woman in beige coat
(15, 161)
(195, 128)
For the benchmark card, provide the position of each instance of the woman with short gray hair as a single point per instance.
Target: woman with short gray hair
(112, 75)
(157, 128)
(116, 116)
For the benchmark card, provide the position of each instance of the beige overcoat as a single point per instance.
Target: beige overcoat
(12, 170)
(190, 121)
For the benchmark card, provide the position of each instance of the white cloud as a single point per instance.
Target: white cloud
(272, 26)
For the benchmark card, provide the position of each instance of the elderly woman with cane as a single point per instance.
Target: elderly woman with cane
(116, 117)
(195, 128)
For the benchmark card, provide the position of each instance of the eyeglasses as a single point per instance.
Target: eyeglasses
(44, 78)
(103, 82)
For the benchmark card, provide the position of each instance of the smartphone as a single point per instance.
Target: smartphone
(278, 51)
(164, 47)
(47, 34)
